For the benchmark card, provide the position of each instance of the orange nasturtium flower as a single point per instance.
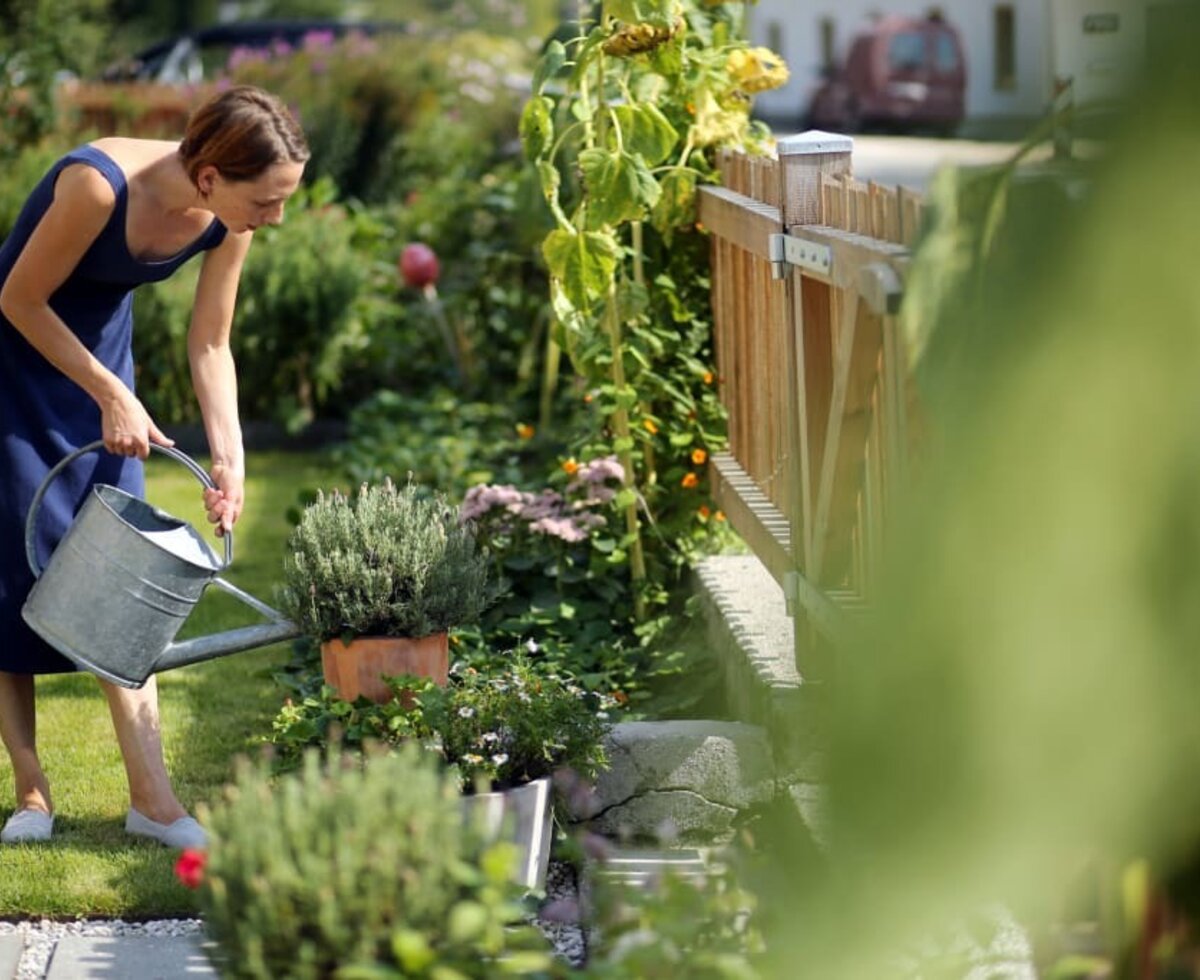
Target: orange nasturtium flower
(524, 431)
(699, 456)
(708, 377)
(689, 481)
(650, 426)
(719, 515)
(703, 511)
(570, 467)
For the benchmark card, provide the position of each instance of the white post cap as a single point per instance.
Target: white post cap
(812, 142)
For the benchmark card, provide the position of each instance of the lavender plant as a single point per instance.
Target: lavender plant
(390, 561)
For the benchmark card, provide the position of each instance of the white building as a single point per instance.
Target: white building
(1015, 50)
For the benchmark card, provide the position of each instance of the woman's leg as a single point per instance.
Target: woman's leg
(135, 717)
(18, 728)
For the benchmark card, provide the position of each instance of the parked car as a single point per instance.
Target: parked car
(903, 73)
(192, 57)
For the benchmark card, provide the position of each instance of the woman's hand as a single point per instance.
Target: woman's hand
(126, 426)
(224, 505)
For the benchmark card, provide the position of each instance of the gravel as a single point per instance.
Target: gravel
(560, 926)
(559, 918)
(42, 935)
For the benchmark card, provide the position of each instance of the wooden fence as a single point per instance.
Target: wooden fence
(808, 271)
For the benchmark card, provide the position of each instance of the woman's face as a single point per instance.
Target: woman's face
(243, 205)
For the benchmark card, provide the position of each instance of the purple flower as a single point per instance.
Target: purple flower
(562, 528)
(359, 44)
(242, 55)
(598, 471)
(280, 48)
(560, 910)
(483, 497)
(315, 41)
(548, 503)
(596, 495)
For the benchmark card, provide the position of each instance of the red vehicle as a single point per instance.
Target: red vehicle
(903, 73)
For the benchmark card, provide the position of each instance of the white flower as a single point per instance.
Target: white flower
(466, 712)
(602, 714)
(488, 737)
(500, 758)
(531, 645)
(472, 759)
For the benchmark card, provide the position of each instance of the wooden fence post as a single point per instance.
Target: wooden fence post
(811, 311)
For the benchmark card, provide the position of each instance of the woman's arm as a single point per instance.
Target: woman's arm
(214, 378)
(83, 202)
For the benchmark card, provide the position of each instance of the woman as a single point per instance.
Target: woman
(107, 217)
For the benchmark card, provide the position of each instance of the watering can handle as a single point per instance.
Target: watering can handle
(31, 521)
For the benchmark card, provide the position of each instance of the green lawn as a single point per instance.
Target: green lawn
(210, 713)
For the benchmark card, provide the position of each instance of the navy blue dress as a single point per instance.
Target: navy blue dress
(44, 415)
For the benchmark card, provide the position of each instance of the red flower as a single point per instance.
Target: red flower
(189, 869)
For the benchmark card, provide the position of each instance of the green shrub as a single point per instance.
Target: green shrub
(40, 39)
(19, 175)
(387, 562)
(353, 869)
(304, 313)
(302, 309)
(433, 434)
(357, 98)
(162, 313)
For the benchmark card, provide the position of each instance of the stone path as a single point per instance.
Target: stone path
(10, 955)
(129, 957)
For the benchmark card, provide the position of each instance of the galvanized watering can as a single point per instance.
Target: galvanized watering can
(125, 577)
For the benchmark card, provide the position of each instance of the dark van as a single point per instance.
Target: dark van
(903, 73)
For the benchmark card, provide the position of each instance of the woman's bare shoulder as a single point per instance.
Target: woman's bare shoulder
(81, 185)
(133, 155)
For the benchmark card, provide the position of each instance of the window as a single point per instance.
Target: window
(825, 30)
(946, 54)
(907, 52)
(1005, 23)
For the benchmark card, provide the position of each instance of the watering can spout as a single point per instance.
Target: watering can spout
(218, 645)
(180, 654)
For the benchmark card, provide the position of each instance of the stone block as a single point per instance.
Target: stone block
(679, 780)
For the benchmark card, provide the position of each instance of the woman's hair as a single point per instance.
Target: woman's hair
(242, 132)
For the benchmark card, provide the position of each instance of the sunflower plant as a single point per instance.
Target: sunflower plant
(623, 126)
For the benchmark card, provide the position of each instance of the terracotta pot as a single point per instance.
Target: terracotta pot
(359, 668)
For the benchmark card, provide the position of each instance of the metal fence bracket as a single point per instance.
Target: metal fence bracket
(785, 250)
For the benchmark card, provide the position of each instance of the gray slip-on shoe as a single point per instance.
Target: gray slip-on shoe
(181, 833)
(27, 825)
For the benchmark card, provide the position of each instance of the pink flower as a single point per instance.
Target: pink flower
(562, 528)
(315, 41)
(600, 470)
